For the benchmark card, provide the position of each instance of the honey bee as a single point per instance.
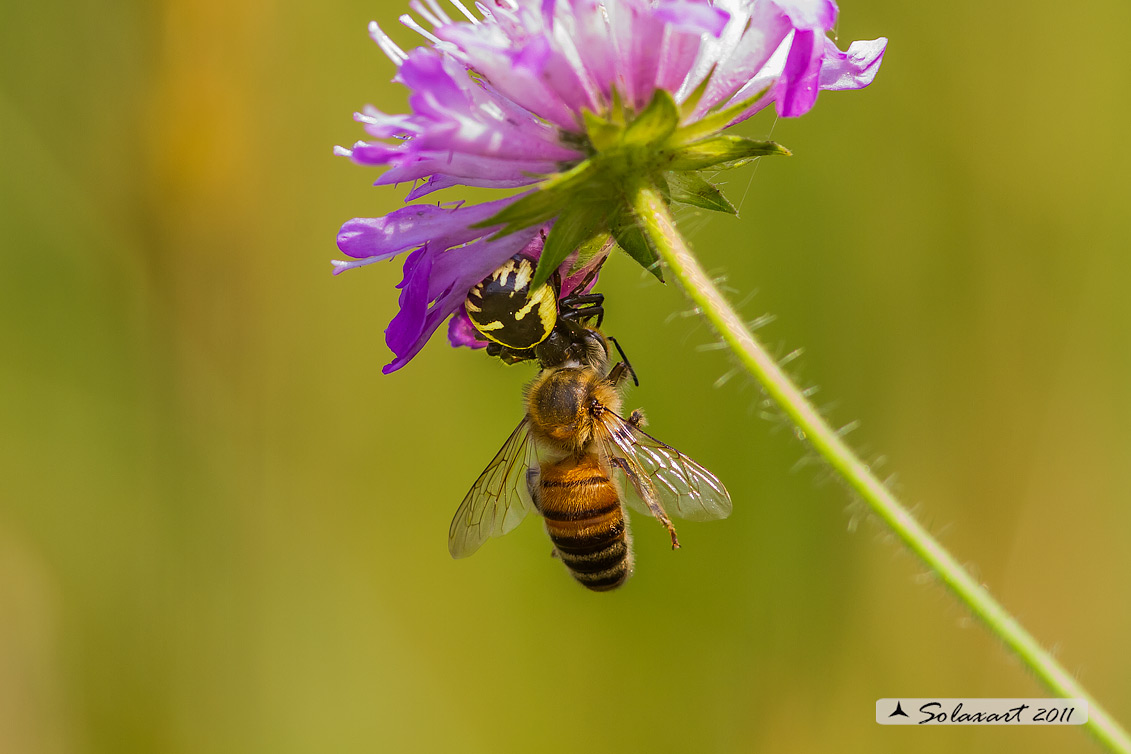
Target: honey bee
(566, 460)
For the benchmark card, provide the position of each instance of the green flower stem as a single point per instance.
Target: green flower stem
(655, 220)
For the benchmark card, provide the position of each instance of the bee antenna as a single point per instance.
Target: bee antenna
(627, 363)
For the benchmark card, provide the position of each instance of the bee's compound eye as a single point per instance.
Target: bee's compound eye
(503, 309)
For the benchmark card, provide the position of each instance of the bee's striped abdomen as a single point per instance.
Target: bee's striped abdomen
(586, 522)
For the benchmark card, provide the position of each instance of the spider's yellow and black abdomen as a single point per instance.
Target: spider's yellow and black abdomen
(504, 309)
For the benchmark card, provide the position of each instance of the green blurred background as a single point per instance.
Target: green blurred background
(223, 530)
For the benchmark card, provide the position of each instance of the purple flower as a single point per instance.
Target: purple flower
(562, 98)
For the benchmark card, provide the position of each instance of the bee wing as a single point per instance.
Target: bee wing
(499, 499)
(659, 472)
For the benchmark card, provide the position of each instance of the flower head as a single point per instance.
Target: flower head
(573, 101)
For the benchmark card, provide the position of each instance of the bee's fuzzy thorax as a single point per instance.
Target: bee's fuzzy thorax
(563, 405)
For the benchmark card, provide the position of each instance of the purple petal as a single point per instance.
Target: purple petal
(438, 182)
(371, 153)
(583, 25)
(695, 17)
(495, 60)
(432, 87)
(747, 51)
(837, 71)
(464, 266)
(678, 57)
(810, 15)
(796, 90)
(548, 13)
(461, 127)
(634, 38)
(410, 319)
(462, 333)
(534, 55)
(853, 69)
(492, 131)
(409, 227)
(457, 165)
(382, 125)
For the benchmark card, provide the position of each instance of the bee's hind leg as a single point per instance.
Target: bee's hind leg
(671, 529)
(662, 516)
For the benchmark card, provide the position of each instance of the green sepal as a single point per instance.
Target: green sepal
(576, 225)
(603, 134)
(694, 189)
(655, 123)
(717, 150)
(618, 113)
(632, 241)
(692, 101)
(596, 245)
(549, 200)
(533, 209)
(718, 121)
